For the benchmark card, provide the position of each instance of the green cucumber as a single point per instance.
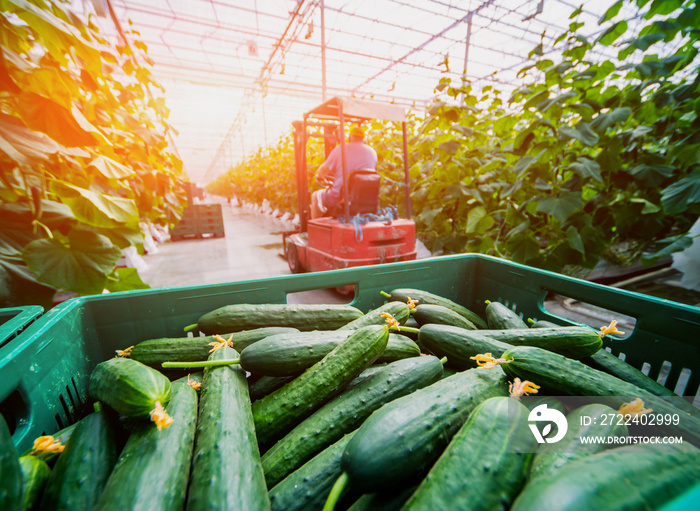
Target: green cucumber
(428, 313)
(553, 456)
(307, 488)
(571, 377)
(500, 317)
(226, 469)
(346, 412)
(129, 387)
(278, 413)
(81, 471)
(153, 352)
(403, 294)
(631, 477)
(153, 469)
(292, 354)
(383, 501)
(399, 442)
(552, 402)
(458, 344)
(543, 323)
(605, 361)
(398, 310)
(305, 317)
(11, 477)
(492, 452)
(35, 473)
(265, 385)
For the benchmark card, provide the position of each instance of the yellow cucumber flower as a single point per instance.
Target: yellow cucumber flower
(522, 388)
(160, 416)
(46, 445)
(222, 342)
(634, 409)
(610, 329)
(486, 361)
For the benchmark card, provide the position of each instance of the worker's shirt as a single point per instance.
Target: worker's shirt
(358, 155)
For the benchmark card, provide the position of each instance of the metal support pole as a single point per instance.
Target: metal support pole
(323, 51)
(407, 181)
(341, 128)
(466, 49)
(302, 180)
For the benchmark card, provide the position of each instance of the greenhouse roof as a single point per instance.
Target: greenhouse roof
(237, 73)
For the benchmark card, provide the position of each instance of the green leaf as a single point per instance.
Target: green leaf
(611, 12)
(613, 33)
(678, 197)
(582, 132)
(125, 279)
(110, 168)
(478, 221)
(663, 7)
(97, 209)
(562, 206)
(23, 145)
(537, 50)
(648, 207)
(666, 247)
(587, 169)
(79, 263)
(603, 121)
(523, 248)
(450, 147)
(67, 127)
(652, 175)
(524, 164)
(575, 240)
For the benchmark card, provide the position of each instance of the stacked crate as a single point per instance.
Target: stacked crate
(199, 220)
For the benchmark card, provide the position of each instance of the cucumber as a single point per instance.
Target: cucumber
(154, 352)
(399, 311)
(307, 488)
(605, 361)
(129, 387)
(278, 413)
(153, 468)
(346, 412)
(571, 377)
(403, 294)
(11, 477)
(428, 313)
(492, 451)
(82, 469)
(543, 323)
(305, 317)
(266, 385)
(383, 501)
(552, 402)
(35, 472)
(631, 477)
(458, 344)
(226, 469)
(399, 442)
(551, 457)
(292, 354)
(500, 317)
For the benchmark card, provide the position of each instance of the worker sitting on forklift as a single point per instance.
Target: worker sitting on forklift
(358, 155)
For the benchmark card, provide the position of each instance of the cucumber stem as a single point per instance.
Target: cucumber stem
(206, 363)
(531, 321)
(443, 360)
(487, 302)
(385, 294)
(191, 327)
(336, 491)
(408, 329)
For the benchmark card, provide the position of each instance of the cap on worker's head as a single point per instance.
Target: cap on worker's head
(357, 132)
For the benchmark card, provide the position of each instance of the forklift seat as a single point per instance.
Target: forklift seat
(363, 191)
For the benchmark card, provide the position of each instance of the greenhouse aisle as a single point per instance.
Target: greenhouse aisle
(250, 249)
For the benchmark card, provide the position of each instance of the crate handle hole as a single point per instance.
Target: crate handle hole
(333, 295)
(14, 410)
(578, 311)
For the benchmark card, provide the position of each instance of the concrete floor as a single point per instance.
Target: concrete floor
(250, 249)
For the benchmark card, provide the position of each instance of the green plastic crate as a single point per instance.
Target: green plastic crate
(14, 319)
(45, 373)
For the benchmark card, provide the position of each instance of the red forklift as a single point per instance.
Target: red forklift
(357, 236)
